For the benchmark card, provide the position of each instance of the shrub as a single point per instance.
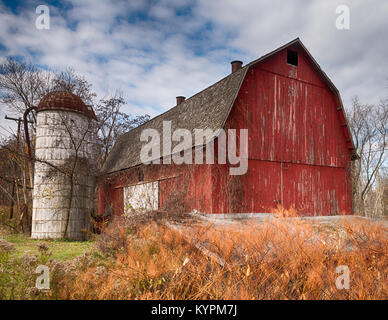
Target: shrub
(18, 277)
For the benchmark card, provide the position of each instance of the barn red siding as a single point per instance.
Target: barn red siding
(311, 190)
(298, 154)
(187, 186)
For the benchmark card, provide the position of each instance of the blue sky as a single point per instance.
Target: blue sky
(153, 51)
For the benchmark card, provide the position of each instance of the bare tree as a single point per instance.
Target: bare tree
(112, 122)
(369, 127)
(22, 86)
(384, 185)
(68, 80)
(14, 185)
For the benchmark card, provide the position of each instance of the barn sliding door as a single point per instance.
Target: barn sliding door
(141, 197)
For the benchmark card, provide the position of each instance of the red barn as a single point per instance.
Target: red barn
(299, 145)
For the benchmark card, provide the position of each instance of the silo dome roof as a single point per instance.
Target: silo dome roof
(56, 100)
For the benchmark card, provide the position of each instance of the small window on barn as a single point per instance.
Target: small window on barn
(141, 175)
(292, 57)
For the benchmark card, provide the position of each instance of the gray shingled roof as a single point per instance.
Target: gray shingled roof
(207, 109)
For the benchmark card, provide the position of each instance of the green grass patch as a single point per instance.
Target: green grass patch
(61, 249)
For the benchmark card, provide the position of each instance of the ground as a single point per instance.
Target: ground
(149, 256)
(61, 249)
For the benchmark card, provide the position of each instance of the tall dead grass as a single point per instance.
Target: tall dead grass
(276, 259)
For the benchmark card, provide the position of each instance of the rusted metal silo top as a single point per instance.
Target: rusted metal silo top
(59, 100)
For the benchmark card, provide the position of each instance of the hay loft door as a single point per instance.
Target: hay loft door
(141, 197)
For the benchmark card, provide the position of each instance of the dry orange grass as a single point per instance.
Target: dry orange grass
(277, 259)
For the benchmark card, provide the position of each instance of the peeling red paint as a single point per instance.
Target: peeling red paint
(298, 154)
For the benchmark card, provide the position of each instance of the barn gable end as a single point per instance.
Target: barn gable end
(299, 146)
(305, 114)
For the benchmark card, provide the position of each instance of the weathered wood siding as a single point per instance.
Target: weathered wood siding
(298, 148)
(185, 187)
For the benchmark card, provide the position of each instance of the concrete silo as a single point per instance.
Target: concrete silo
(64, 175)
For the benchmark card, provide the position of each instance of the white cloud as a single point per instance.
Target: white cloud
(154, 60)
(354, 59)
